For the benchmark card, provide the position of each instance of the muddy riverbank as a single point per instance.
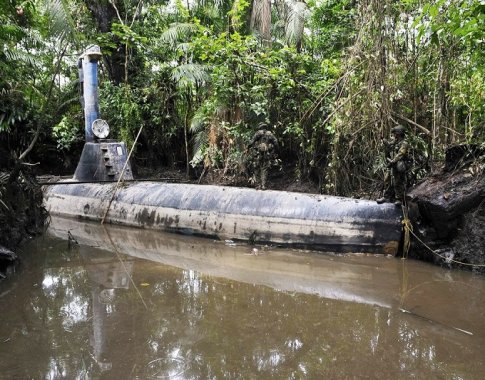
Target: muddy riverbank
(448, 212)
(22, 213)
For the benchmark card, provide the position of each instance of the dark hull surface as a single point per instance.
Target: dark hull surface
(275, 217)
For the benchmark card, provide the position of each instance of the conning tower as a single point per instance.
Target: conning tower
(102, 159)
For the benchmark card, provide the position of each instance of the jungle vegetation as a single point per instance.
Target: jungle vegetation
(329, 77)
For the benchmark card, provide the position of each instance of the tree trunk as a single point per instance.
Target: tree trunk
(114, 58)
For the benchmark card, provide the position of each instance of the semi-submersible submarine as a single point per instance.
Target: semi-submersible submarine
(312, 221)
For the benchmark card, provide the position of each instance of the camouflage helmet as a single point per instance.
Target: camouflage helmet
(399, 130)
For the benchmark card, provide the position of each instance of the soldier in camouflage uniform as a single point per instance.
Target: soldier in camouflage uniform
(397, 162)
(262, 150)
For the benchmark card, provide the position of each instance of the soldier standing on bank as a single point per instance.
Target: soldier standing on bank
(397, 160)
(262, 150)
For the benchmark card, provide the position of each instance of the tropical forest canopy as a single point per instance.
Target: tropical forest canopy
(328, 77)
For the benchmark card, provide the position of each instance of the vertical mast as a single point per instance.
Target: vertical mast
(89, 79)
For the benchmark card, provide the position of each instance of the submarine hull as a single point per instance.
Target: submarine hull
(265, 217)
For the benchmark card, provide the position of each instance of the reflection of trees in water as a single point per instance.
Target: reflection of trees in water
(47, 317)
(225, 329)
(204, 327)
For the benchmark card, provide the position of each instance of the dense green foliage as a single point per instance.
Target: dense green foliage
(329, 77)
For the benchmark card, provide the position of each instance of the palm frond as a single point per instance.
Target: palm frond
(211, 12)
(190, 74)
(184, 46)
(178, 32)
(60, 18)
(15, 40)
(279, 24)
(21, 56)
(197, 123)
(219, 4)
(297, 14)
(200, 142)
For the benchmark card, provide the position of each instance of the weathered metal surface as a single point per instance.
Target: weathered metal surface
(103, 161)
(88, 76)
(321, 222)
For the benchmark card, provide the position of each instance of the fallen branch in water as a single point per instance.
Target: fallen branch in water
(7, 254)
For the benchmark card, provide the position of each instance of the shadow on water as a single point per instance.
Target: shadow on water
(137, 304)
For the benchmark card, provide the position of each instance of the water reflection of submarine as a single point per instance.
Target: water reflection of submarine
(105, 276)
(279, 269)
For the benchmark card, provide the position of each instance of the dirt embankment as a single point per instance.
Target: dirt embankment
(21, 212)
(448, 211)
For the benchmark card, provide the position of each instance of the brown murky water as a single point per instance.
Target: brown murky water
(133, 304)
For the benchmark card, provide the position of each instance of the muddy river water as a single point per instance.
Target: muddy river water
(116, 303)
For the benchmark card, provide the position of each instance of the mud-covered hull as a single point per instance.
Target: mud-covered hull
(276, 217)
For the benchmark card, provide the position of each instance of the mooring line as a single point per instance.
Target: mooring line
(122, 173)
(433, 321)
(408, 229)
